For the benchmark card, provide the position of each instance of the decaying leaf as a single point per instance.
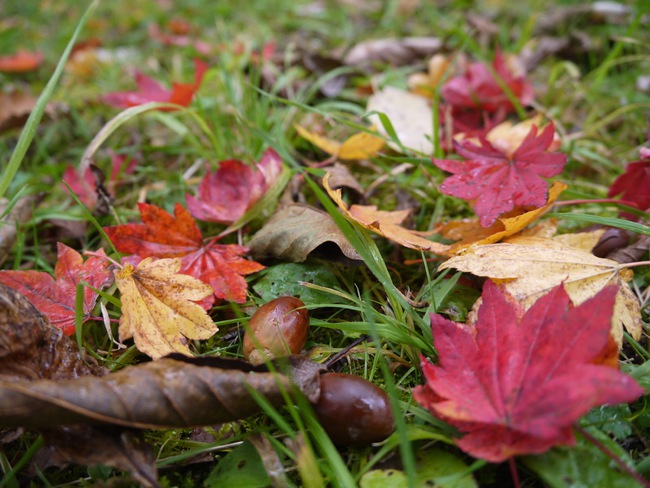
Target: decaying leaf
(410, 115)
(518, 381)
(170, 392)
(528, 267)
(31, 350)
(55, 297)
(157, 308)
(297, 231)
(15, 107)
(386, 224)
(21, 212)
(393, 51)
(361, 145)
(469, 232)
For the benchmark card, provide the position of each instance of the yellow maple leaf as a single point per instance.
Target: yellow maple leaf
(362, 145)
(157, 307)
(386, 224)
(528, 267)
(469, 231)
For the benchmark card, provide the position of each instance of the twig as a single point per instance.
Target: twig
(637, 476)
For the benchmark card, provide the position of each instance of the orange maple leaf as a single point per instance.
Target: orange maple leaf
(165, 236)
(386, 224)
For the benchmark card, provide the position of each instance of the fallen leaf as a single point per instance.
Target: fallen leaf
(498, 181)
(386, 224)
(425, 84)
(519, 383)
(528, 267)
(157, 307)
(170, 392)
(393, 51)
(21, 62)
(149, 90)
(507, 137)
(410, 115)
(225, 195)
(468, 232)
(297, 231)
(634, 184)
(20, 212)
(89, 187)
(361, 145)
(478, 89)
(15, 107)
(55, 297)
(165, 236)
(31, 349)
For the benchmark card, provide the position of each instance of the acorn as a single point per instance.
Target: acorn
(278, 328)
(353, 411)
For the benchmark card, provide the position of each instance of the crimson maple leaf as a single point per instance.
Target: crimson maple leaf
(165, 236)
(499, 181)
(519, 381)
(149, 90)
(235, 187)
(634, 184)
(86, 186)
(477, 88)
(55, 297)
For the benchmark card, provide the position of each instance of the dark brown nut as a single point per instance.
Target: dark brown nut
(278, 328)
(353, 411)
(611, 240)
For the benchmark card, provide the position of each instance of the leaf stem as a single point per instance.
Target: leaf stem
(515, 474)
(103, 256)
(605, 450)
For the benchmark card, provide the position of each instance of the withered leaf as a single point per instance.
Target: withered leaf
(296, 231)
(169, 392)
(15, 107)
(157, 307)
(31, 348)
(21, 212)
(393, 51)
(527, 267)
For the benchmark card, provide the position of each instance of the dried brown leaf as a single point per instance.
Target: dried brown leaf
(296, 232)
(393, 51)
(171, 392)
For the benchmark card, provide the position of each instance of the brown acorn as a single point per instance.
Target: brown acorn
(278, 328)
(353, 411)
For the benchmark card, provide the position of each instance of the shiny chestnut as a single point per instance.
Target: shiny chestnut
(353, 411)
(278, 328)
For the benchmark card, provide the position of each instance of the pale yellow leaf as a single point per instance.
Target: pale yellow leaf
(158, 309)
(529, 267)
(362, 145)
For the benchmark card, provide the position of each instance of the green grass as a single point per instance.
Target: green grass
(237, 114)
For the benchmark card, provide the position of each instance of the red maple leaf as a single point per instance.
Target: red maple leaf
(232, 189)
(499, 181)
(55, 297)
(477, 88)
(165, 236)
(634, 184)
(21, 62)
(149, 90)
(86, 187)
(517, 384)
